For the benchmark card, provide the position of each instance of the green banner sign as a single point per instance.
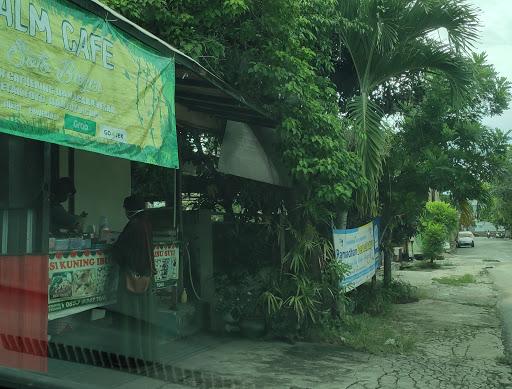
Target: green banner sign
(71, 78)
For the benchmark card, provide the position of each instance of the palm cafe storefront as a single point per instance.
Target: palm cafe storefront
(82, 98)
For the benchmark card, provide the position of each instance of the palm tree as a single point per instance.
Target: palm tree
(387, 39)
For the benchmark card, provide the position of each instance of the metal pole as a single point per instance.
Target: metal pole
(175, 200)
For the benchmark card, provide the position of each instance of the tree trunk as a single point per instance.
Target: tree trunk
(282, 237)
(387, 267)
(341, 220)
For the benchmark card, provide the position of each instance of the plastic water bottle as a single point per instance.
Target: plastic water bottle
(104, 229)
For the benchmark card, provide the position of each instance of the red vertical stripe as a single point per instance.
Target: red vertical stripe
(24, 312)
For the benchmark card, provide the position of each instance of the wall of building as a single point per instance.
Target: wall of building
(63, 161)
(102, 183)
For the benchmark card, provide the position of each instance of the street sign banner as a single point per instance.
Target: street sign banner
(359, 249)
(71, 78)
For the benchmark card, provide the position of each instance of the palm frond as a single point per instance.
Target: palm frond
(466, 213)
(425, 56)
(387, 39)
(457, 17)
(370, 139)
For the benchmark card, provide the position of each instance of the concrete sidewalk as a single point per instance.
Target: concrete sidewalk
(445, 362)
(96, 377)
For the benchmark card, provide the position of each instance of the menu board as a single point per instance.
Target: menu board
(167, 258)
(80, 280)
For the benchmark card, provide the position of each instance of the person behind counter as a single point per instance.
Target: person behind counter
(60, 219)
(136, 306)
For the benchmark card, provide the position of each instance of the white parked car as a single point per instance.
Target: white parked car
(465, 238)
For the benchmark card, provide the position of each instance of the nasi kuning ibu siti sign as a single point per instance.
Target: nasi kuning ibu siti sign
(71, 78)
(80, 280)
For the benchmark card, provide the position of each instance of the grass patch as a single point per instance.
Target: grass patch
(424, 293)
(368, 324)
(377, 299)
(422, 265)
(364, 332)
(456, 280)
(376, 335)
(427, 265)
(503, 360)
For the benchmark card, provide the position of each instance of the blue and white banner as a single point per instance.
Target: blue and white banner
(359, 249)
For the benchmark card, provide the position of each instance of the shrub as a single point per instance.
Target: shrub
(401, 292)
(442, 213)
(377, 299)
(438, 222)
(433, 236)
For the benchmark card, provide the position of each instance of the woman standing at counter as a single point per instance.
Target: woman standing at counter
(133, 252)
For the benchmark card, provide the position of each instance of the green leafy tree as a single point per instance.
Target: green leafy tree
(442, 213)
(467, 217)
(498, 208)
(453, 151)
(310, 63)
(281, 51)
(439, 142)
(384, 40)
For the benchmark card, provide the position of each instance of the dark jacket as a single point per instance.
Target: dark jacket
(133, 250)
(60, 218)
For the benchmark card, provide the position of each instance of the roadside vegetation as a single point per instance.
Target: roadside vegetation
(364, 332)
(437, 225)
(377, 334)
(456, 280)
(369, 324)
(426, 265)
(498, 207)
(504, 360)
(372, 113)
(373, 326)
(378, 299)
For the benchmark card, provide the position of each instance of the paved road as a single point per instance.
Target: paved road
(493, 250)
(497, 253)
(489, 249)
